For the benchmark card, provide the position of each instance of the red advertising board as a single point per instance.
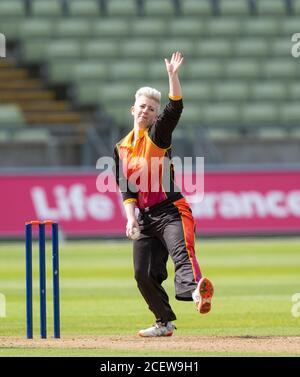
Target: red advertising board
(233, 203)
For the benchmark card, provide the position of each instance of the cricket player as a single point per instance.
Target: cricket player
(165, 224)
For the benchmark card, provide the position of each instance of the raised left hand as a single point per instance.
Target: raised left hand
(174, 64)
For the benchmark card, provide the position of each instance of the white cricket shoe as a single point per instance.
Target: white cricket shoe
(159, 329)
(202, 295)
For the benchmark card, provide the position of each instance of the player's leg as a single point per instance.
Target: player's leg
(150, 259)
(179, 236)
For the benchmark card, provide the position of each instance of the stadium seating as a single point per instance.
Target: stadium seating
(271, 7)
(13, 127)
(222, 113)
(231, 91)
(260, 112)
(196, 8)
(11, 116)
(36, 28)
(112, 27)
(264, 26)
(46, 8)
(14, 9)
(153, 27)
(122, 8)
(238, 73)
(73, 28)
(87, 8)
(183, 27)
(232, 7)
(158, 8)
(25, 102)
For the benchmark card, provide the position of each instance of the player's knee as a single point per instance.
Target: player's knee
(181, 258)
(141, 275)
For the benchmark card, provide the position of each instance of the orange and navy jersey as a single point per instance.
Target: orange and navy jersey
(143, 171)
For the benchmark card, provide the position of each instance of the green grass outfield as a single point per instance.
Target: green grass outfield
(254, 284)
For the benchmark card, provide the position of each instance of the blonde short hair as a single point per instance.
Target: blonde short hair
(149, 92)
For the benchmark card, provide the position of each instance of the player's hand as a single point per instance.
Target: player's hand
(174, 64)
(131, 223)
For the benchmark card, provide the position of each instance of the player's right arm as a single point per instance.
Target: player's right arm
(131, 217)
(129, 197)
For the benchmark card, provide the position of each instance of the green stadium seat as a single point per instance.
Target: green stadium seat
(222, 134)
(112, 27)
(116, 93)
(10, 28)
(37, 135)
(4, 136)
(156, 70)
(11, 116)
(126, 69)
(87, 8)
(296, 7)
(166, 47)
(87, 70)
(101, 48)
(262, 26)
(46, 8)
(12, 9)
(233, 7)
(251, 47)
(37, 28)
(185, 27)
(288, 25)
(197, 91)
(138, 47)
(272, 8)
(221, 113)
(289, 113)
(268, 91)
(66, 71)
(243, 68)
(294, 90)
(270, 133)
(149, 27)
(213, 47)
(159, 8)
(223, 27)
(182, 143)
(86, 93)
(33, 50)
(61, 71)
(120, 113)
(231, 91)
(280, 68)
(204, 69)
(294, 133)
(63, 49)
(124, 8)
(280, 46)
(73, 28)
(191, 115)
(196, 8)
(259, 113)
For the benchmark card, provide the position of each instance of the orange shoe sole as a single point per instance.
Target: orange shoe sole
(206, 291)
